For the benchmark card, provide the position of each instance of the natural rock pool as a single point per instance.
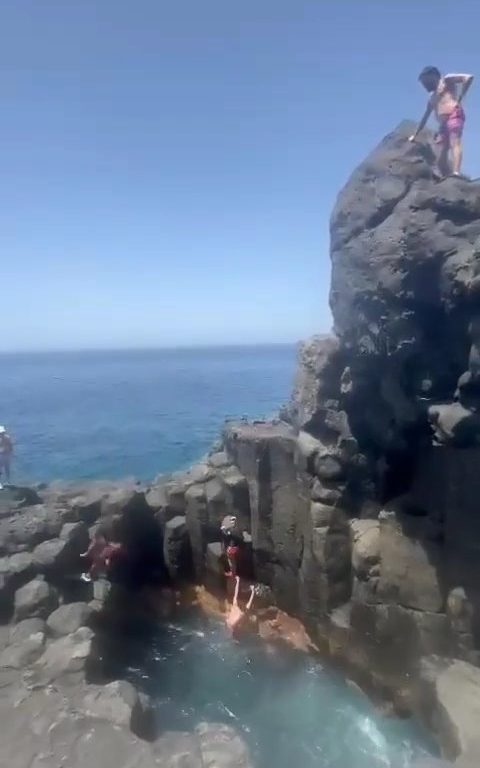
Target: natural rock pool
(289, 707)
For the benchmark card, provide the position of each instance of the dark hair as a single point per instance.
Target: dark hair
(428, 72)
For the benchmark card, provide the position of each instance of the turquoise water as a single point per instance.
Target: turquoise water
(116, 414)
(289, 707)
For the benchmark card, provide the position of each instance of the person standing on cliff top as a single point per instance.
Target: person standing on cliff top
(6, 452)
(447, 105)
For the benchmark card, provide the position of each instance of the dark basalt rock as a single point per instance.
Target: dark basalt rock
(361, 505)
(176, 549)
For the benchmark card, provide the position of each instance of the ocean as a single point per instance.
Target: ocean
(116, 414)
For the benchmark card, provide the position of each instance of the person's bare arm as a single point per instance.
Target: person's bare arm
(464, 80)
(90, 549)
(423, 121)
(88, 552)
(252, 596)
(237, 589)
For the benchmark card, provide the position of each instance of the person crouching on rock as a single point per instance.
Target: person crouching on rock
(95, 555)
(102, 554)
(112, 555)
(447, 105)
(237, 617)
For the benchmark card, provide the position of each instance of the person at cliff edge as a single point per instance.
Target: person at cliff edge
(446, 102)
(6, 452)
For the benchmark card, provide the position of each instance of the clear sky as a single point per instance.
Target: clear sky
(168, 167)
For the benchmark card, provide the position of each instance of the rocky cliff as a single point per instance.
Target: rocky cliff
(358, 510)
(362, 503)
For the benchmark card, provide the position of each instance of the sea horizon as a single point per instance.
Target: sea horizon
(109, 414)
(151, 348)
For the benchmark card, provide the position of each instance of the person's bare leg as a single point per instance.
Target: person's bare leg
(252, 595)
(7, 470)
(457, 153)
(443, 161)
(237, 590)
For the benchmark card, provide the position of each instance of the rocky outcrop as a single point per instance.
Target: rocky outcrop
(25, 645)
(68, 618)
(361, 506)
(358, 509)
(64, 657)
(26, 528)
(451, 697)
(177, 548)
(89, 726)
(35, 599)
(48, 709)
(118, 702)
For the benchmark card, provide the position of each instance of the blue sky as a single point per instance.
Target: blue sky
(168, 168)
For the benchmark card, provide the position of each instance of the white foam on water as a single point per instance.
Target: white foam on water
(175, 627)
(228, 711)
(367, 726)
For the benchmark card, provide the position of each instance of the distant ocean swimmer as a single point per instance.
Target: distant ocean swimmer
(6, 453)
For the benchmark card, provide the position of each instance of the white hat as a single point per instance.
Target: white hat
(2, 430)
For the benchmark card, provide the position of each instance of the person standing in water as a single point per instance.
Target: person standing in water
(236, 616)
(6, 452)
(447, 105)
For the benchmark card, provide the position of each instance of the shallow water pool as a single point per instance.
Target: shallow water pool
(291, 709)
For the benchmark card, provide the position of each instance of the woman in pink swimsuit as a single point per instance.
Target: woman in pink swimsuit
(446, 104)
